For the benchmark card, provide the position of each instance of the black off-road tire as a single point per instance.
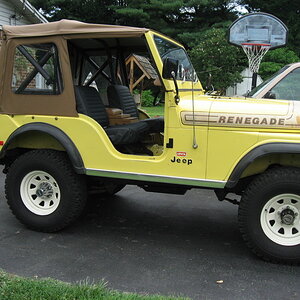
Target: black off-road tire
(50, 174)
(267, 200)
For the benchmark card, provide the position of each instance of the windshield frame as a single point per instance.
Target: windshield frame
(184, 62)
(184, 86)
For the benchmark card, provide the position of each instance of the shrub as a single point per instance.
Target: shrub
(147, 98)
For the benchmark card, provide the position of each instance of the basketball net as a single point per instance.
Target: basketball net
(255, 53)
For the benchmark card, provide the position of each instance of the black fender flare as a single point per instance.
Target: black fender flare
(56, 133)
(260, 151)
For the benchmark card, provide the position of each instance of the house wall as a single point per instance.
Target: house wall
(243, 87)
(16, 13)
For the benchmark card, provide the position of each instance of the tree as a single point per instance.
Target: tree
(214, 55)
(274, 60)
(91, 11)
(175, 18)
(172, 17)
(199, 24)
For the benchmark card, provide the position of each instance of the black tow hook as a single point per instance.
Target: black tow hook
(232, 201)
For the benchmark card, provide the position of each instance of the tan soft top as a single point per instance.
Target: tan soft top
(66, 27)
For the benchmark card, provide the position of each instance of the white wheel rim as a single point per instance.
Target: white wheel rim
(280, 219)
(40, 193)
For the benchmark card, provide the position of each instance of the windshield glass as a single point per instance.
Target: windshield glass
(171, 50)
(264, 83)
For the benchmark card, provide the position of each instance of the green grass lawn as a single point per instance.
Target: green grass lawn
(154, 111)
(18, 288)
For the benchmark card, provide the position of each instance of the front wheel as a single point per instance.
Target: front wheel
(269, 215)
(43, 191)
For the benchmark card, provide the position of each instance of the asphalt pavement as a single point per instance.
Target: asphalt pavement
(149, 243)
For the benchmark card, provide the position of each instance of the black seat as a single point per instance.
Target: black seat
(119, 96)
(88, 102)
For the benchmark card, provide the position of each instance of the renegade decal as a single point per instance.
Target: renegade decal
(282, 114)
(250, 116)
(232, 120)
(251, 120)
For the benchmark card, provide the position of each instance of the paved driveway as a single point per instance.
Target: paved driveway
(150, 243)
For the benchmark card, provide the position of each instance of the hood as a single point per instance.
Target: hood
(240, 112)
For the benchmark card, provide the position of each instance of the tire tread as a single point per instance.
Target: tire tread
(76, 182)
(275, 174)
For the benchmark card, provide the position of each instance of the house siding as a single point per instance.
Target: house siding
(11, 14)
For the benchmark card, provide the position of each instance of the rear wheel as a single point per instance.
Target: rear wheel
(43, 191)
(269, 215)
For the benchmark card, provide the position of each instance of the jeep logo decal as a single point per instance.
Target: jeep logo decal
(187, 161)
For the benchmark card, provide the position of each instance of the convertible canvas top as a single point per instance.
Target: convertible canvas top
(71, 27)
(57, 33)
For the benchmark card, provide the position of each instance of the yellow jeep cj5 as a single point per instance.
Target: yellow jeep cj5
(69, 122)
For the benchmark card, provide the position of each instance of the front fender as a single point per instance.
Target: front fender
(260, 151)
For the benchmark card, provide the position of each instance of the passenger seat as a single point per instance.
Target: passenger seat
(119, 96)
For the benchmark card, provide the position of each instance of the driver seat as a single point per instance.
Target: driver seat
(88, 102)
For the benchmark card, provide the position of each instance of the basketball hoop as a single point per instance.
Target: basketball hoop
(256, 33)
(255, 53)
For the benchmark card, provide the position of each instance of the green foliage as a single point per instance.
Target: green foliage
(17, 288)
(185, 20)
(147, 98)
(199, 24)
(172, 17)
(214, 55)
(91, 11)
(275, 59)
(191, 39)
(154, 111)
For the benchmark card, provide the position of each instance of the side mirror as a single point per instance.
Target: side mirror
(170, 68)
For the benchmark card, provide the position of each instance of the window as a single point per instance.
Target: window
(260, 87)
(288, 88)
(36, 70)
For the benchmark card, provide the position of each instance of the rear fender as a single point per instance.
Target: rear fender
(57, 134)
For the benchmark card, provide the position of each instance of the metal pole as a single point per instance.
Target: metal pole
(254, 81)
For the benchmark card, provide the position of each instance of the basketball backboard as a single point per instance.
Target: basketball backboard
(257, 33)
(258, 28)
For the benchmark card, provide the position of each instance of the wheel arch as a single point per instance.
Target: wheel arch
(55, 133)
(257, 153)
